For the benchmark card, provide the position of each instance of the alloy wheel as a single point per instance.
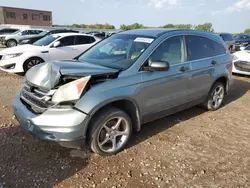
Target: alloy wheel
(32, 63)
(217, 96)
(113, 134)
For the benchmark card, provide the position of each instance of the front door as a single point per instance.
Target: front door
(165, 90)
(66, 50)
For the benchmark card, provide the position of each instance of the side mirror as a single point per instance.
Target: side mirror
(157, 66)
(242, 48)
(56, 44)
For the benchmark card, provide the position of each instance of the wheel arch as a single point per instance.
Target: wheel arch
(223, 80)
(127, 105)
(30, 57)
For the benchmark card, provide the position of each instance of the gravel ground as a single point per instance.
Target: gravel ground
(193, 148)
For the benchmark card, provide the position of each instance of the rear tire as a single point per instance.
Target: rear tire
(31, 62)
(11, 43)
(215, 97)
(110, 131)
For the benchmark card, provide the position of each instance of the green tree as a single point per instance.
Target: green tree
(133, 26)
(247, 31)
(205, 27)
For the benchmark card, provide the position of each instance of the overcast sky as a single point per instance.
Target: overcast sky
(225, 15)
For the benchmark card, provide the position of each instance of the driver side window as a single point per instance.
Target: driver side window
(172, 50)
(67, 41)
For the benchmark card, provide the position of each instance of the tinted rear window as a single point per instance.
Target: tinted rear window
(201, 47)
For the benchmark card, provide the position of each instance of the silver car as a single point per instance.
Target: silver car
(14, 39)
(122, 82)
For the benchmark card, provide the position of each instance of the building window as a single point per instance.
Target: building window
(11, 15)
(46, 18)
(25, 16)
(35, 17)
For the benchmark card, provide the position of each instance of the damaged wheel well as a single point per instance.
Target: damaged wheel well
(127, 106)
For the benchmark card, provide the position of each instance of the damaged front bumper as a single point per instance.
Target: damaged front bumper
(65, 126)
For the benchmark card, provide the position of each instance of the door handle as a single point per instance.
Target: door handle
(214, 62)
(184, 69)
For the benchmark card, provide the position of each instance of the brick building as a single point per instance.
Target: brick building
(20, 16)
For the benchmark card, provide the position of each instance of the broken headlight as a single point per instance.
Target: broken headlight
(71, 91)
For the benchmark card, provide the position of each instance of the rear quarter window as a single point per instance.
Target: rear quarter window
(218, 49)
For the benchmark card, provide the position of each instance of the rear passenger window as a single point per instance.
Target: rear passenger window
(84, 40)
(67, 41)
(199, 48)
(218, 49)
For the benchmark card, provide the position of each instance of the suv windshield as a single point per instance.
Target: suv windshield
(119, 51)
(46, 40)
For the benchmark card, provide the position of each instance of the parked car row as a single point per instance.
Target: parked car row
(13, 37)
(60, 46)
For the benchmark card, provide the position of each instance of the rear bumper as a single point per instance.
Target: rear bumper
(65, 126)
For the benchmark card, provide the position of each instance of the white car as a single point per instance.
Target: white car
(241, 61)
(61, 46)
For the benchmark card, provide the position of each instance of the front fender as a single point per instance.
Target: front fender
(92, 102)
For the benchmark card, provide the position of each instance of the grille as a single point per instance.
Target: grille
(35, 99)
(242, 66)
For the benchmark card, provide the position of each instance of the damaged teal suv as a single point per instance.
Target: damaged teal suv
(122, 82)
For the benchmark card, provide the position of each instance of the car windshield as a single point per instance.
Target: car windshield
(18, 31)
(119, 51)
(45, 41)
(243, 37)
(42, 33)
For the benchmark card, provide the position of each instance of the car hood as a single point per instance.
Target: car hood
(22, 49)
(47, 75)
(243, 55)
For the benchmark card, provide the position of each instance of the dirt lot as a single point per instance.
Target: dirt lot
(193, 148)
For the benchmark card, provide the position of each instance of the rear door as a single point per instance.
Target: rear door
(204, 56)
(66, 50)
(82, 43)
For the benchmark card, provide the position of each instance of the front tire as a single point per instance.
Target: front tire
(28, 64)
(11, 43)
(110, 131)
(215, 97)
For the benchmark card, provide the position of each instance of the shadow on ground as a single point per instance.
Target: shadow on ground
(28, 162)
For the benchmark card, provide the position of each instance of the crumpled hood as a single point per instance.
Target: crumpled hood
(47, 75)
